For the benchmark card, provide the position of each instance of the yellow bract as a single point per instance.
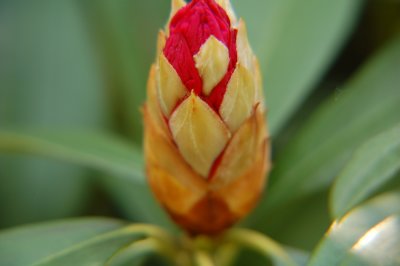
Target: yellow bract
(247, 58)
(241, 151)
(245, 54)
(259, 93)
(212, 63)
(238, 101)
(199, 133)
(170, 86)
(176, 5)
(160, 43)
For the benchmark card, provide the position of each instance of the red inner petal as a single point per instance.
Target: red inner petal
(200, 19)
(178, 54)
(189, 30)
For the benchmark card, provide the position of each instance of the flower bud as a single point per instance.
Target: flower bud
(206, 142)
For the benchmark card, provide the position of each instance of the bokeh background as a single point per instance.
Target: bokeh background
(69, 66)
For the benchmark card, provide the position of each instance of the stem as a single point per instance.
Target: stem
(148, 230)
(135, 251)
(226, 254)
(260, 243)
(158, 240)
(202, 258)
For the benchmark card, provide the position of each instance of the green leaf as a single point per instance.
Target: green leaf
(120, 159)
(52, 78)
(295, 42)
(311, 218)
(326, 141)
(128, 49)
(383, 249)
(368, 235)
(300, 257)
(29, 244)
(74, 242)
(373, 164)
(86, 148)
(136, 201)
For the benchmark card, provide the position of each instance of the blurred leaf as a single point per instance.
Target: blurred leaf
(295, 41)
(311, 218)
(137, 254)
(300, 257)
(383, 249)
(369, 104)
(51, 79)
(94, 149)
(136, 202)
(28, 183)
(261, 244)
(372, 165)
(128, 49)
(368, 235)
(74, 242)
(250, 257)
(97, 150)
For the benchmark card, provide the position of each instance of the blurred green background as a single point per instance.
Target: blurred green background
(73, 77)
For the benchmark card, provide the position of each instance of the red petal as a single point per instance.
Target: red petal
(178, 54)
(189, 30)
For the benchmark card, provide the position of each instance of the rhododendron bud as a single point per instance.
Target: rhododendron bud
(206, 142)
